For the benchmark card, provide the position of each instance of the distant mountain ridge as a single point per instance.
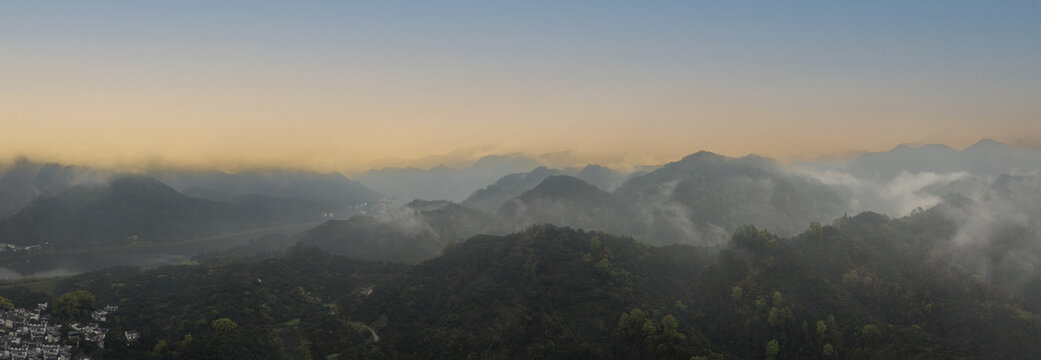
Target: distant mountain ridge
(442, 182)
(495, 195)
(330, 188)
(698, 199)
(986, 157)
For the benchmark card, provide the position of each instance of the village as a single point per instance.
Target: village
(6, 248)
(29, 334)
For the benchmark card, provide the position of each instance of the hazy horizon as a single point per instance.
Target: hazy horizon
(458, 159)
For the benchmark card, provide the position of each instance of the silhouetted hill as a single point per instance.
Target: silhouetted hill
(698, 200)
(570, 188)
(492, 197)
(406, 235)
(560, 199)
(24, 180)
(444, 182)
(602, 177)
(489, 199)
(128, 206)
(704, 196)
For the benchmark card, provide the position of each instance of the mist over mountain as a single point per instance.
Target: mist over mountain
(498, 180)
(490, 198)
(561, 199)
(407, 234)
(24, 180)
(442, 182)
(332, 189)
(495, 195)
(702, 198)
(705, 196)
(603, 177)
(913, 253)
(984, 158)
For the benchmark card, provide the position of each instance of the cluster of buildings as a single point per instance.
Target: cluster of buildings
(29, 334)
(102, 314)
(6, 248)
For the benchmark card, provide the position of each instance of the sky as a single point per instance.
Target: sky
(352, 85)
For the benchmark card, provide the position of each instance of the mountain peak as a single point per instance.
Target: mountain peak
(565, 186)
(140, 184)
(901, 147)
(985, 144)
(700, 155)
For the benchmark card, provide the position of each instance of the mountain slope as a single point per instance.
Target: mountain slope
(128, 206)
(25, 180)
(563, 200)
(489, 199)
(406, 235)
(700, 199)
(443, 182)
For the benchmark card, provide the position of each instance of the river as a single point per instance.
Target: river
(78, 261)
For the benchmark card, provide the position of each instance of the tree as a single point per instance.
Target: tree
(772, 349)
(736, 293)
(161, 347)
(224, 325)
(828, 350)
(73, 304)
(6, 304)
(815, 232)
(778, 299)
(869, 336)
(670, 327)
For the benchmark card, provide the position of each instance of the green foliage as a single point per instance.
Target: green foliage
(224, 325)
(772, 349)
(736, 293)
(161, 348)
(869, 336)
(6, 304)
(73, 305)
(815, 232)
(828, 351)
(604, 266)
(594, 243)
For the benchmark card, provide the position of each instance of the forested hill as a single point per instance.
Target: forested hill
(864, 287)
